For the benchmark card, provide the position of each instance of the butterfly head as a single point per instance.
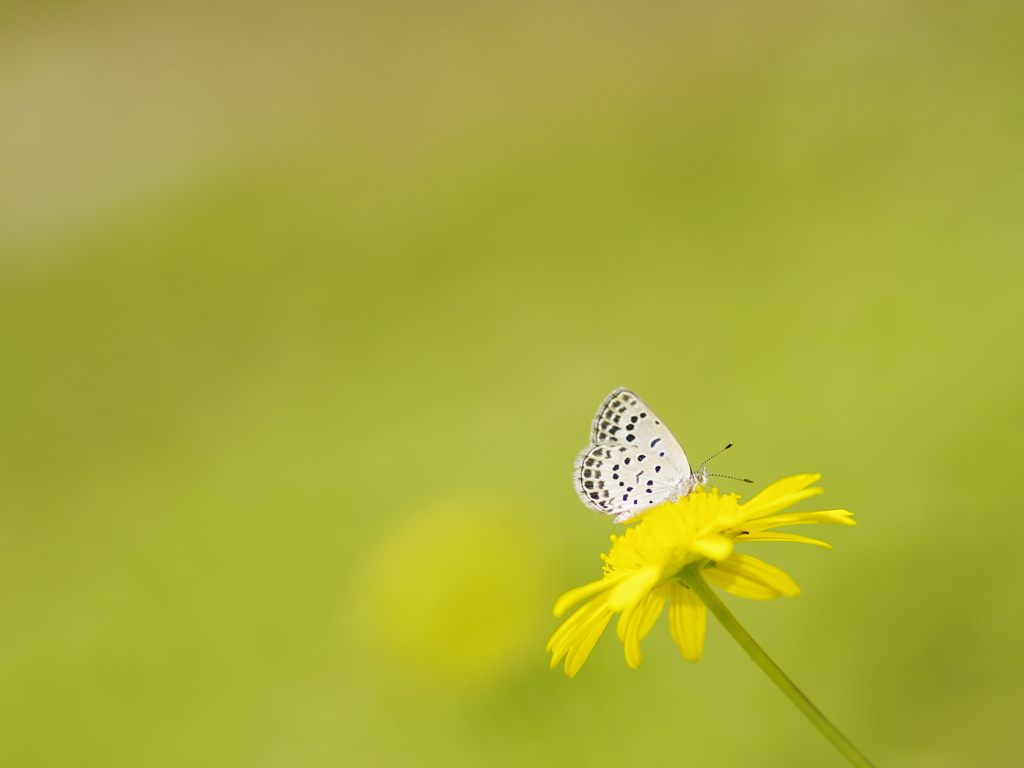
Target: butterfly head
(700, 477)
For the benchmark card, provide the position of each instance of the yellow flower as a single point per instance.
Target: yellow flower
(642, 568)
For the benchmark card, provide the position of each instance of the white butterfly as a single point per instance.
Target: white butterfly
(633, 461)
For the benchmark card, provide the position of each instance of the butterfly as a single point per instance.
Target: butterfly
(633, 461)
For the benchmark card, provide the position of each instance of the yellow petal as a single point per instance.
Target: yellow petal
(579, 653)
(575, 627)
(738, 586)
(779, 495)
(714, 547)
(635, 623)
(631, 642)
(687, 618)
(622, 626)
(840, 516)
(766, 536)
(633, 588)
(746, 576)
(573, 596)
(652, 608)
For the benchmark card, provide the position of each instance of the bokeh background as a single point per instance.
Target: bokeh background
(305, 309)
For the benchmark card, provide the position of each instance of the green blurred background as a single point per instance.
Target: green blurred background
(305, 309)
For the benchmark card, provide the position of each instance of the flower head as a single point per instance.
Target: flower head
(642, 568)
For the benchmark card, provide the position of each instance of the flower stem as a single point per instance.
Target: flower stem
(691, 577)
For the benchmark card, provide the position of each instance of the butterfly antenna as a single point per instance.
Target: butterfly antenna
(730, 477)
(709, 458)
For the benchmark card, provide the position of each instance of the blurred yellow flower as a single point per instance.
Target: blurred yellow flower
(642, 569)
(431, 606)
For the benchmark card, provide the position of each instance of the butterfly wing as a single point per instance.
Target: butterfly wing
(624, 418)
(633, 462)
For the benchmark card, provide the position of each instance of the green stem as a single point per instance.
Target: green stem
(691, 577)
